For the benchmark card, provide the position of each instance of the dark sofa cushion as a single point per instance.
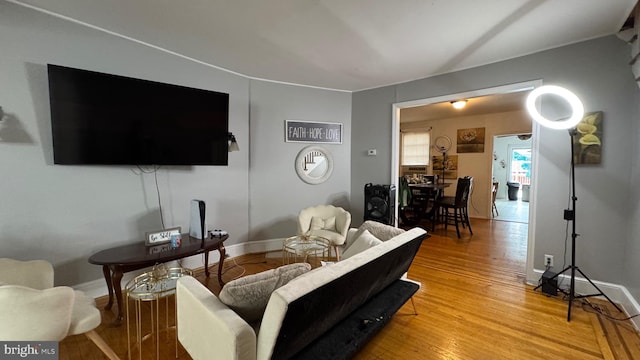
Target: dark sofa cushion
(311, 315)
(348, 337)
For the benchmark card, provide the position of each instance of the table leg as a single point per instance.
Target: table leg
(206, 263)
(223, 253)
(107, 276)
(115, 282)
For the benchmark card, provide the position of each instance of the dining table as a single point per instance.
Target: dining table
(424, 197)
(430, 186)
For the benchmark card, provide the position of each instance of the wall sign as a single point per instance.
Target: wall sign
(313, 132)
(161, 236)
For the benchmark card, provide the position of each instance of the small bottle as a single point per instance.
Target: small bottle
(175, 240)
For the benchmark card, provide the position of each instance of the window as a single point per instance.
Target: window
(520, 165)
(415, 148)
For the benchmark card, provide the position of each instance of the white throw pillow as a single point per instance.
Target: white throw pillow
(318, 223)
(248, 296)
(381, 231)
(360, 244)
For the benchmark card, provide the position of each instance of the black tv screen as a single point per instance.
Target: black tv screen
(107, 119)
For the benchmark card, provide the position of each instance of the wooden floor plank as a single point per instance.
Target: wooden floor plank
(473, 304)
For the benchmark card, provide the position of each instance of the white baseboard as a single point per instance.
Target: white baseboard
(98, 288)
(617, 293)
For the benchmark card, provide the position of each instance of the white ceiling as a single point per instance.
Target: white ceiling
(347, 44)
(505, 102)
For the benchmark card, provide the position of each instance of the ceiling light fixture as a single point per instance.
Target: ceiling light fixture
(459, 104)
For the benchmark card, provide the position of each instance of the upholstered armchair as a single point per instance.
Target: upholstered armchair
(327, 221)
(32, 309)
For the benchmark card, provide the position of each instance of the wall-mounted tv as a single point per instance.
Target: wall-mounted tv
(105, 119)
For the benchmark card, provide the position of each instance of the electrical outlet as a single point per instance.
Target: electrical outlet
(548, 260)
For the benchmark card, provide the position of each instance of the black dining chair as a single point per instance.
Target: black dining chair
(455, 208)
(417, 203)
(431, 207)
(414, 210)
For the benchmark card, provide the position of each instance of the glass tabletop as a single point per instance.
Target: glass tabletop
(159, 282)
(305, 244)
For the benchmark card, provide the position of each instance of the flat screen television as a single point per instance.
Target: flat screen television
(105, 119)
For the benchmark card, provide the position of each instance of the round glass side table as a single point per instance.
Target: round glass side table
(301, 247)
(150, 288)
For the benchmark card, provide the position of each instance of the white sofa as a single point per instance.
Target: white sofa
(328, 312)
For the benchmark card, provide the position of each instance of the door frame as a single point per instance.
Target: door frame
(522, 86)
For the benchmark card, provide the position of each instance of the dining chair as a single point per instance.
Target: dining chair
(422, 205)
(455, 208)
(432, 206)
(494, 193)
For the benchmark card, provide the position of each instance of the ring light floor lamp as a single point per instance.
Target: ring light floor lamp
(570, 214)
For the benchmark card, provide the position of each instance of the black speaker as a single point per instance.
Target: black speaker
(549, 283)
(379, 203)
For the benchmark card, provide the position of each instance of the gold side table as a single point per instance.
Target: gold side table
(151, 287)
(303, 247)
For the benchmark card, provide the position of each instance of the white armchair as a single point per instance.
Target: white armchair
(32, 309)
(327, 221)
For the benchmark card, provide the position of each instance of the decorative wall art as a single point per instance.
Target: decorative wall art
(312, 132)
(470, 140)
(587, 143)
(450, 166)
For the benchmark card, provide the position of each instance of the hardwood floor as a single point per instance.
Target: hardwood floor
(473, 304)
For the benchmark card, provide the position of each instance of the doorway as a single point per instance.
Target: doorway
(487, 92)
(512, 171)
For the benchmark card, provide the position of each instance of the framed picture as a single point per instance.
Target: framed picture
(161, 236)
(447, 169)
(587, 143)
(470, 140)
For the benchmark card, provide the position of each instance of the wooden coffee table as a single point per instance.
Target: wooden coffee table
(119, 260)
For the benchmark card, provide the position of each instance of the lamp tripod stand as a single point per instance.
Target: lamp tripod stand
(444, 164)
(570, 215)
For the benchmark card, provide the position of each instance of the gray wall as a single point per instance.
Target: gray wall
(598, 72)
(371, 121)
(65, 213)
(632, 249)
(276, 192)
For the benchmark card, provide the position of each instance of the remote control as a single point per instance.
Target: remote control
(218, 233)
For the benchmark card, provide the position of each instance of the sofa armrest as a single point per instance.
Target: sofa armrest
(206, 326)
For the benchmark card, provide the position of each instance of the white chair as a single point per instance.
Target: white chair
(327, 221)
(32, 309)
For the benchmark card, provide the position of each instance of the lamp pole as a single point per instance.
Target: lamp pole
(569, 214)
(444, 165)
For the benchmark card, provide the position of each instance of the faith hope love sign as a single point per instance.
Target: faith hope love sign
(313, 132)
